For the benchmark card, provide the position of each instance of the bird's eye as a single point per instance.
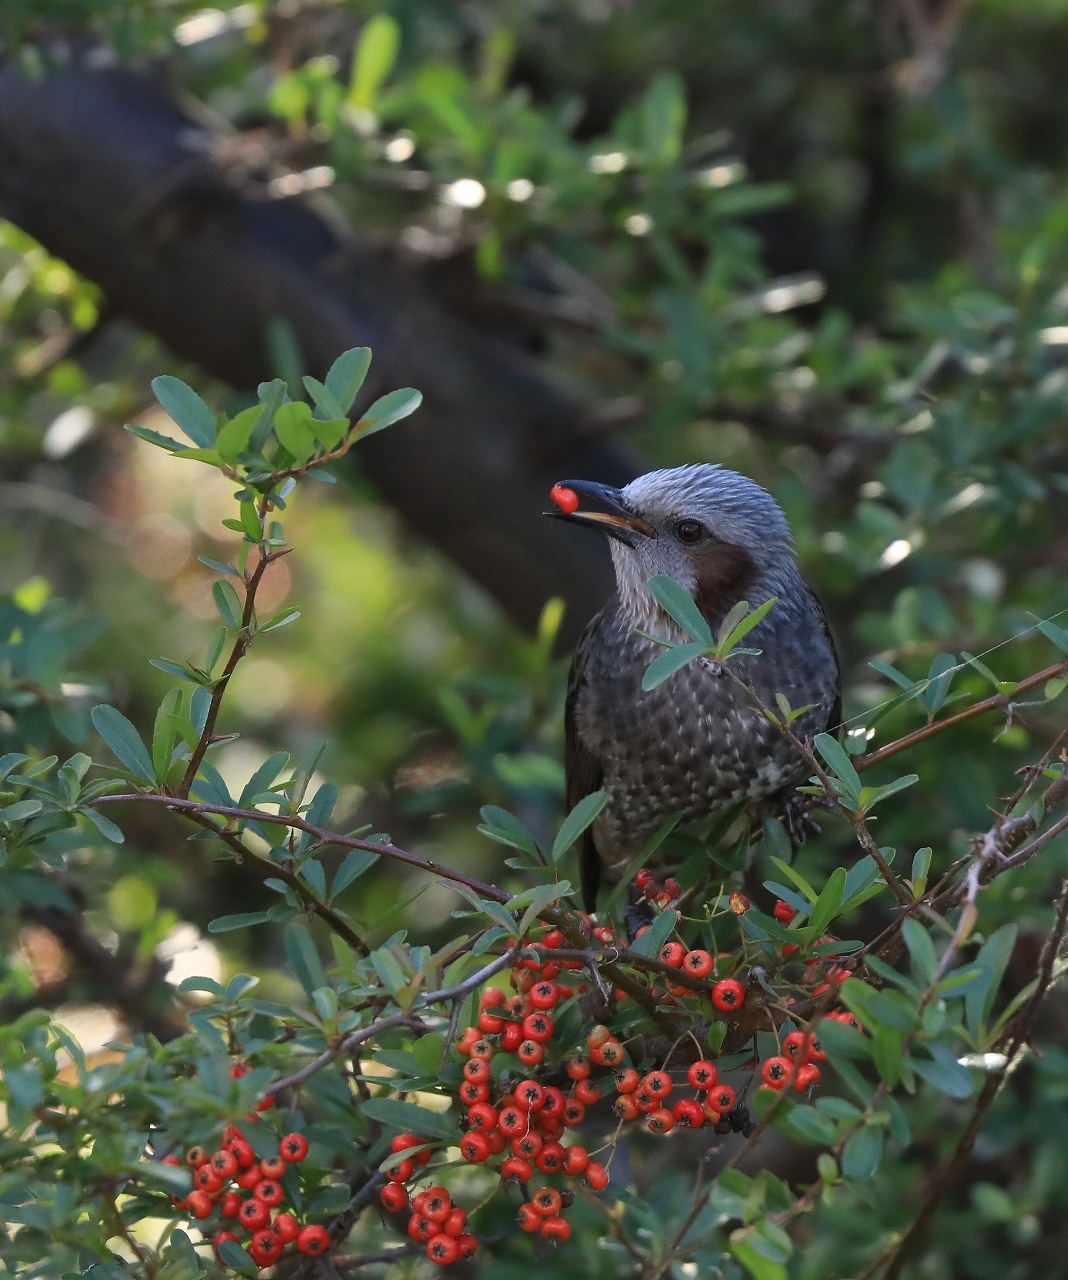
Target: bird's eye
(689, 531)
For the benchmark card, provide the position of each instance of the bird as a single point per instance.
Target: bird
(698, 744)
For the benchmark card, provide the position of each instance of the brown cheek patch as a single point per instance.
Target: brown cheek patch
(725, 572)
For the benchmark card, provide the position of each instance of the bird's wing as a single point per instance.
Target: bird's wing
(582, 769)
(834, 720)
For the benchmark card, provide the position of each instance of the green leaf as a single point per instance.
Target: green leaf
(292, 426)
(897, 677)
(20, 810)
(740, 621)
(303, 957)
(347, 375)
(764, 1259)
(650, 942)
(280, 620)
(327, 407)
(679, 605)
(921, 950)
(993, 959)
(165, 732)
(407, 1117)
(663, 114)
(826, 906)
(357, 861)
(373, 61)
(944, 1071)
(862, 1153)
(186, 408)
(105, 826)
(387, 410)
(576, 822)
(227, 603)
(124, 741)
(386, 966)
(263, 777)
(665, 664)
(537, 899)
(237, 1258)
(505, 828)
(154, 437)
(871, 796)
(234, 435)
(841, 768)
(939, 678)
(243, 920)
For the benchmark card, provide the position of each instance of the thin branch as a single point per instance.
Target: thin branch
(997, 701)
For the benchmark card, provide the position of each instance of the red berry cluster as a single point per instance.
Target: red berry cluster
(235, 1186)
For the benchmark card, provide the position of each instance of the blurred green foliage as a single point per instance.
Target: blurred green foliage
(822, 243)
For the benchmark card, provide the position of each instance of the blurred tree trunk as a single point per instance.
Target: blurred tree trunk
(110, 172)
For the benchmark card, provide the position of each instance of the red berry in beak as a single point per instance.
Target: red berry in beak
(565, 499)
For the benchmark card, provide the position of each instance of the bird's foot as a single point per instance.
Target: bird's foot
(797, 818)
(638, 914)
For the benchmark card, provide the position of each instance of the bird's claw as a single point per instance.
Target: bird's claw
(798, 820)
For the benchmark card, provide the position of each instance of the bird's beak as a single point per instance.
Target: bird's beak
(607, 510)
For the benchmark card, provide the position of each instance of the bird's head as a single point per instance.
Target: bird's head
(717, 533)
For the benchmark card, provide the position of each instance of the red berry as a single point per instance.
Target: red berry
(566, 499)
(393, 1197)
(224, 1163)
(660, 1121)
(511, 1037)
(658, 1084)
(551, 1158)
(475, 1147)
(574, 1112)
(555, 1228)
(728, 994)
(421, 1229)
(272, 1166)
(626, 1106)
(738, 903)
(516, 1168)
(230, 1204)
(401, 1171)
(722, 1098)
(286, 1227)
(206, 1179)
(437, 1205)
(806, 1074)
(587, 1092)
(530, 1053)
(477, 1070)
(702, 1074)
(539, 1027)
(442, 1249)
(596, 1175)
(482, 1116)
(698, 964)
(199, 1204)
(270, 1191)
(529, 1218)
(529, 1095)
(248, 1178)
(783, 912)
(776, 1071)
(470, 1093)
(293, 1148)
(313, 1240)
(576, 1159)
(673, 953)
(195, 1157)
(456, 1223)
(264, 1247)
(547, 1201)
(688, 1113)
(254, 1214)
(578, 1068)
